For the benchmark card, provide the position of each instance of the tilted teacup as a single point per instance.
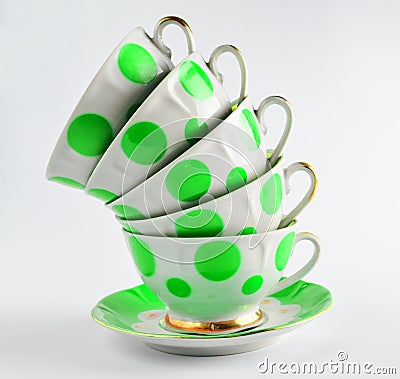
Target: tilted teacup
(130, 73)
(231, 155)
(254, 208)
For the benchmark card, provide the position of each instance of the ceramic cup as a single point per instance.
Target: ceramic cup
(214, 285)
(255, 208)
(165, 124)
(231, 155)
(129, 74)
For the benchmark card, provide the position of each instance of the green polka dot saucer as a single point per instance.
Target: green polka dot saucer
(127, 77)
(231, 155)
(215, 284)
(157, 132)
(254, 208)
(137, 311)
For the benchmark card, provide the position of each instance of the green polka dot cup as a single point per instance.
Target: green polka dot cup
(254, 208)
(127, 77)
(231, 155)
(214, 285)
(157, 131)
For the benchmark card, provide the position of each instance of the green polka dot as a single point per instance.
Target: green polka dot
(89, 134)
(194, 130)
(236, 179)
(66, 182)
(132, 109)
(252, 285)
(247, 230)
(102, 194)
(249, 124)
(188, 180)
(127, 212)
(178, 287)
(199, 223)
(271, 194)
(284, 250)
(195, 81)
(217, 260)
(144, 143)
(137, 64)
(143, 256)
(129, 229)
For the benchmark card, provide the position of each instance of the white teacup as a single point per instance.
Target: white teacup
(130, 73)
(157, 131)
(231, 155)
(214, 285)
(254, 208)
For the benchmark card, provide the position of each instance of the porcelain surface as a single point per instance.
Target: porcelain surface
(254, 208)
(131, 72)
(231, 155)
(155, 134)
(191, 274)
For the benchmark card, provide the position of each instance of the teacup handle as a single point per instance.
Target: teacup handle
(242, 64)
(159, 29)
(307, 267)
(288, 172)
(264, 105)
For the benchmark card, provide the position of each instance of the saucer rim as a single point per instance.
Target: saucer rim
(288, 326)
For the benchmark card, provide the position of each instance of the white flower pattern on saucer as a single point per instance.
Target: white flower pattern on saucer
(277, 315)
(151, 315)
(151, 322)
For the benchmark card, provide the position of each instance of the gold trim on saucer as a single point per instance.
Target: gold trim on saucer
(214, 326)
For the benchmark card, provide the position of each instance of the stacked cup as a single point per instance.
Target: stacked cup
(190, 178)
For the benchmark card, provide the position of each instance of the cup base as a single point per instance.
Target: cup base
(249, 320)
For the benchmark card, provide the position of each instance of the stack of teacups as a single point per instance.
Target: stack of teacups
(200, 196)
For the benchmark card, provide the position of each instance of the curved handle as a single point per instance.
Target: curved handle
(242, 64)
(159, 29)
(288, 172)
(284, 103)
(307, 267)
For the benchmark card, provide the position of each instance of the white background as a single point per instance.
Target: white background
(338, 62)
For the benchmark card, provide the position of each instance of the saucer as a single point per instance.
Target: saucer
(139, 312)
